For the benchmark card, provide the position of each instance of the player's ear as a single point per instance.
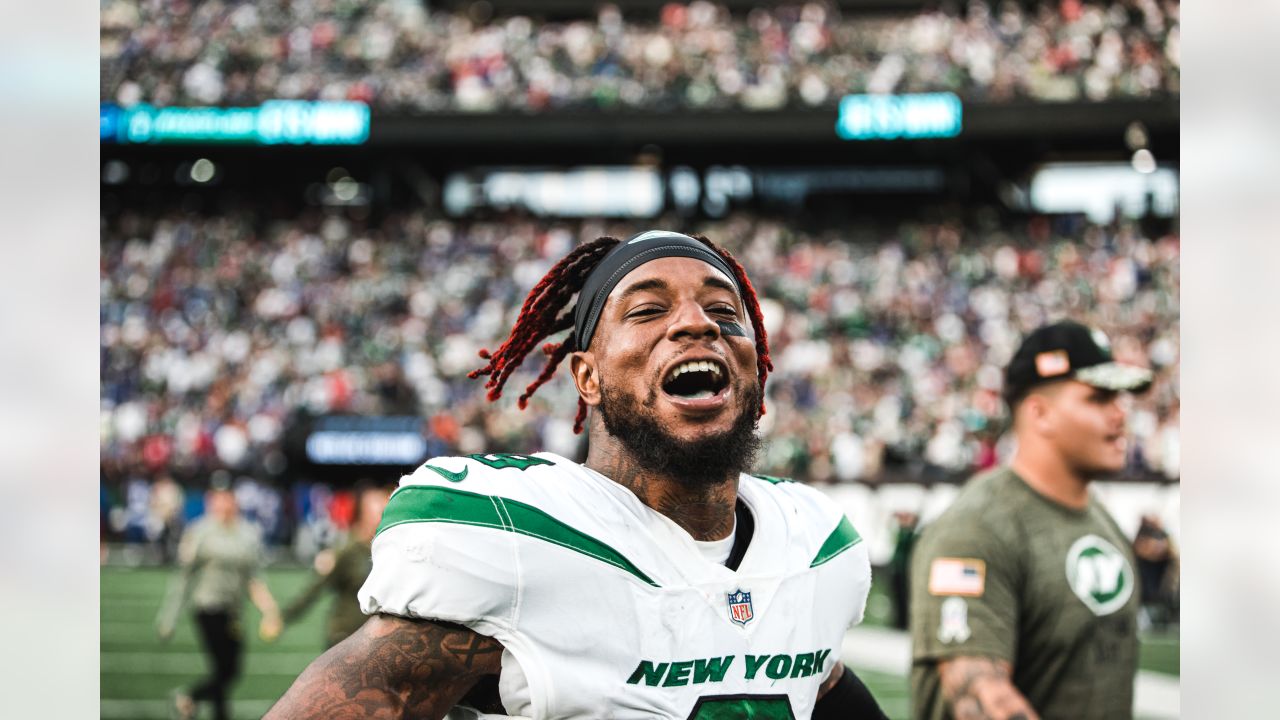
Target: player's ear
(586, 376)
(1038, 412)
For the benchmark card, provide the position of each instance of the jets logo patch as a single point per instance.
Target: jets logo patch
(739, 606)
(1099, 574)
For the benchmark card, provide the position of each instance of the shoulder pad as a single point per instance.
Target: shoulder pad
(825, 529)
(544, 481)
(773, 479)
(477, 470)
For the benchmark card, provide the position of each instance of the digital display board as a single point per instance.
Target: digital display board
(1100, 190)
(275, 122)
(355, 440)
(899, 117)
(573, 192)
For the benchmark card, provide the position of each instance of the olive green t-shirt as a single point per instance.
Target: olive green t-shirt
(351, 565)
(1010, 574)
(223, 559)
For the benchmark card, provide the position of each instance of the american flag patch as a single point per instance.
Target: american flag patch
(1052, 363)
(957, 576)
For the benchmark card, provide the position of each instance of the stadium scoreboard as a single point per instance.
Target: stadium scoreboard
(905, 117)
(275, 122)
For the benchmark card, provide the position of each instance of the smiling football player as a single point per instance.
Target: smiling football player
(657, 579)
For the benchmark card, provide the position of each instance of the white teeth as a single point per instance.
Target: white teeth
(695, 366)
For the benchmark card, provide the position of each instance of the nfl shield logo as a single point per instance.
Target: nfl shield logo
(740, 607)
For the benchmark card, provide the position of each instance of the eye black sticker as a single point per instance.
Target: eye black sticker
(731, 328)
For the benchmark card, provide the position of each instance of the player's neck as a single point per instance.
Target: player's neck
(1048, 474)
(705, 512)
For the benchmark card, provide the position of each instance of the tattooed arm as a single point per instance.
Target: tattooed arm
(391, 668)
(980, 688)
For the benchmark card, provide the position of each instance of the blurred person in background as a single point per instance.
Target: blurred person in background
(167, 499)
(900, 566)
(343, 571)
(1157, 562)
(1023, 592)
(220, 560)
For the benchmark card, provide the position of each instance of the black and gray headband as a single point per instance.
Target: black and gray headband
(628, 256)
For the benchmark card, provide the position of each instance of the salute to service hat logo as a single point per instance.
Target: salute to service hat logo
(953, 625)
(1052, 363)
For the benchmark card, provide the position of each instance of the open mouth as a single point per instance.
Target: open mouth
(696, 380)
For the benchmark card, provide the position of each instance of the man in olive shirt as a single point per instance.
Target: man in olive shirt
(1024, 600)
(220, 563)
(345, 571)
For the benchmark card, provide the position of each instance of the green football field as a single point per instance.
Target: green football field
(138, 671)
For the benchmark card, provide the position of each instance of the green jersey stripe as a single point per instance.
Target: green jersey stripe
(840, 539)
(415, 503)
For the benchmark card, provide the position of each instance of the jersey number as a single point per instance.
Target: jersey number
(742, 707)
(499, 461)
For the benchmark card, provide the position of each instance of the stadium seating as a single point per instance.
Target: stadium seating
(401, 57)
(217, 331)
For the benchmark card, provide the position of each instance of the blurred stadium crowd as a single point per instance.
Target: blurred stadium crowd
(217, 332)
(401, 57)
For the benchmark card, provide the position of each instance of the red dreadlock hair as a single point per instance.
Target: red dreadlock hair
(541, 317)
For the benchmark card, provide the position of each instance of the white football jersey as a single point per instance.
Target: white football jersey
(605, 607)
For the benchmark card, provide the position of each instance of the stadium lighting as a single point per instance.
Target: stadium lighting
(1144, 162)
(1135, 136)
(202, 170)
(114, 172)
(346, 189)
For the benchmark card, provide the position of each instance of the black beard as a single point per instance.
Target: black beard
(692, 463)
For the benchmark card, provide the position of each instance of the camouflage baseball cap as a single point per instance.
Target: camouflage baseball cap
(1069, 350)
